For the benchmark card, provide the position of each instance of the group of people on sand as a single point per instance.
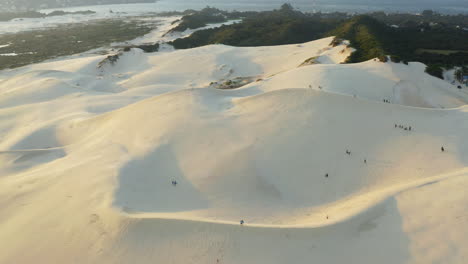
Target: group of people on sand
(348, 152)
(406, 128)
(320, 87)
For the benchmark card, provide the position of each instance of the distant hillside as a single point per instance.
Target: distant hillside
(367, 35)
(436, 40)
(23, 5)
(437, 45)
(278, 27)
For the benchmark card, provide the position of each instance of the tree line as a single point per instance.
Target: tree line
(373, 35)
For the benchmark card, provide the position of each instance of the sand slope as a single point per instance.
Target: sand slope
(88, 156)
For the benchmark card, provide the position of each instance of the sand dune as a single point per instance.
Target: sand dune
(88, 157)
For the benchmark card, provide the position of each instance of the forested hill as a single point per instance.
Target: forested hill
(277, 27)
(24, 5)
(367, 35)
(436, 44)
(429, 38)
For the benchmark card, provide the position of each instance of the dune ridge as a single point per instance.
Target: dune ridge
(309, 156)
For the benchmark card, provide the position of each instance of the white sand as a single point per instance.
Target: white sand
(87, 158)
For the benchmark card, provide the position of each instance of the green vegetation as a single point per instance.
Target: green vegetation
(440, 52)
(283, 26)
(425, 20)
(396, 59)
(373, 38)
(7, 16)
(197, 19)
(109, 60)
(37, 46)
(436, 40)
(147, 48)
(403, 37)
(309, 61)
(435, 70)
(367, 36)
(234, 83)
(200, 19)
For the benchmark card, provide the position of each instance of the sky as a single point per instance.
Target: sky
(401, 5)
(370, 2)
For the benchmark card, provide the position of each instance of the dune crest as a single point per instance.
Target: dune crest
(157, 158)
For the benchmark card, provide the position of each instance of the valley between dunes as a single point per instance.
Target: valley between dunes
(88, 155)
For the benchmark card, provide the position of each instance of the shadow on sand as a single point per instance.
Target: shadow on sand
(145, 185)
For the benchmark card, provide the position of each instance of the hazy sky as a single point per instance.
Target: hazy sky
(371, 2)
(422, 3)
(401, 5)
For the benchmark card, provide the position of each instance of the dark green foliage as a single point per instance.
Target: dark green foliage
(431, 38)
(383, 58)
(372, 38)
(284, 26)
(367, 35)
(448, 61)
(336, 41)
(435, 70)
(407, 20)
(148, 48)
(193, 19)
(371, 35)
(395, 58)
(109, 60)
(287, 8)
(199, 19)
(428, 13)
